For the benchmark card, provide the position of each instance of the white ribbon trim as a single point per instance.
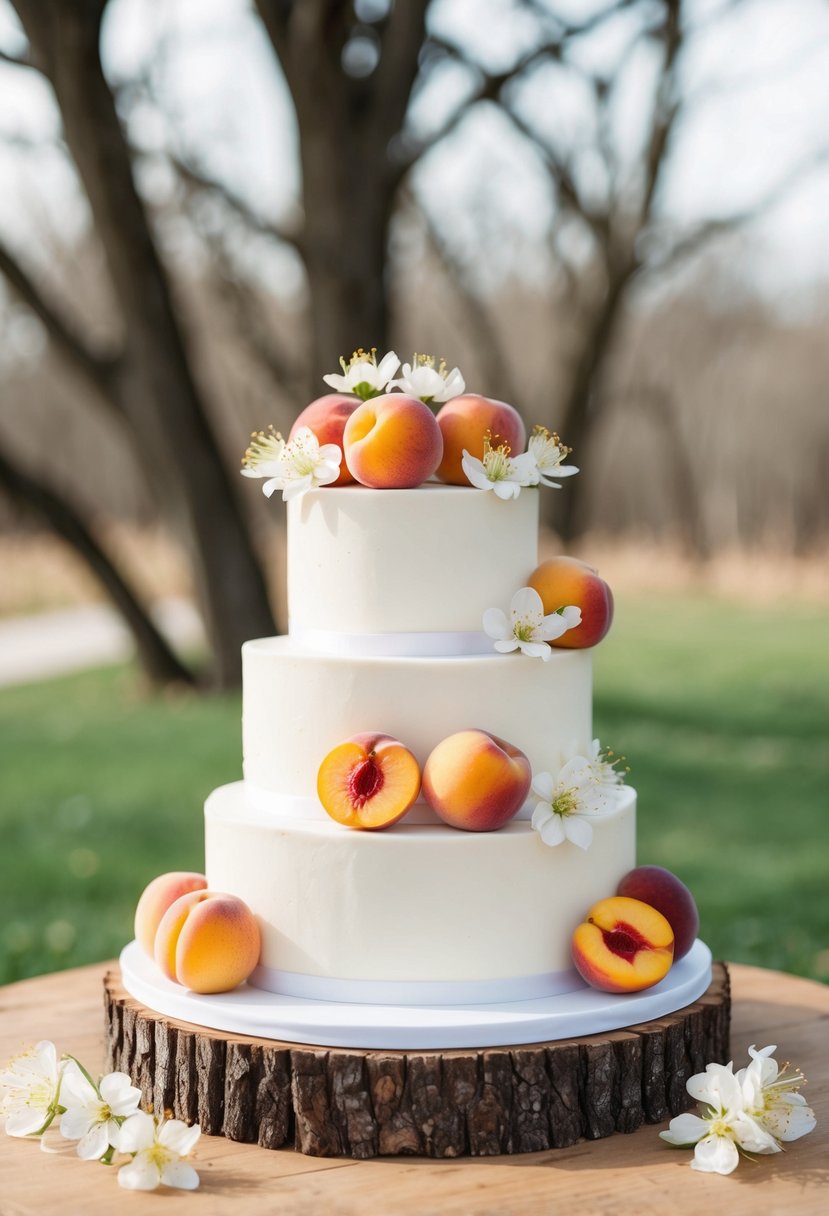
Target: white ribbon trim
(392, 645)
(289, 806)
(416, 992)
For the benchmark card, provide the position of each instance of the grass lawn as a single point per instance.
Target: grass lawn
(721, 709)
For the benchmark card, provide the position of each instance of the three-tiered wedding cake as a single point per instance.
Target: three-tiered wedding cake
(386, 592)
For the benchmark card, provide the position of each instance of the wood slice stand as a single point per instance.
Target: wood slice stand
(360, 1103)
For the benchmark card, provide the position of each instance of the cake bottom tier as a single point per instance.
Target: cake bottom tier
(417, 914)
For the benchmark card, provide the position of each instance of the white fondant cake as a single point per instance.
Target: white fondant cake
(387, 590)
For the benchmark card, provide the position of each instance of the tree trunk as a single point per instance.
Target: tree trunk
(155, 388)
(583, 403)
(156, 657)
(349, 181)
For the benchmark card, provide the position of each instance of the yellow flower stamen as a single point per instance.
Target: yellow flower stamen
(264, 446)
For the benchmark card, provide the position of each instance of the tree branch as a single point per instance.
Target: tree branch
(695, 238)
(18, 61)
(666, 106)
(97, 369)
(197, 179)
(157, 658)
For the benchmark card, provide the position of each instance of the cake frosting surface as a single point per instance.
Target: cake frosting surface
(387, 594)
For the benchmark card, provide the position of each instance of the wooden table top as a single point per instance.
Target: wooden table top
(635, 1175)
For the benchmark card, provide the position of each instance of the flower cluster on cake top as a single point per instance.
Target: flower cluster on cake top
(390, 427)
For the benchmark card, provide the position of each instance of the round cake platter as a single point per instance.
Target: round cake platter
(253, 1012)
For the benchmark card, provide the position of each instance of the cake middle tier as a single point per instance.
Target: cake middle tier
(298, 705)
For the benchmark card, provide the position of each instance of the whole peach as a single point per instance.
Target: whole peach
(156, 899)
(475, 781)
(208, 941)
(327, 417)
(464, 421)
(566, 580)
(392, 442)
(668, 894)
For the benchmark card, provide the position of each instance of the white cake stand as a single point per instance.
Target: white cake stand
(252, 1012)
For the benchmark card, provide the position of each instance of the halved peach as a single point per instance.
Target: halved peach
(370, 781)
(624, 945)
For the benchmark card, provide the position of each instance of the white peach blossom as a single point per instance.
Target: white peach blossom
(771, 1096)
(363, 375)
(30, 1090)
(567, 802)
(159, 1150)
(302, 464)
(527, 628)
(722, 1127)
(548, 452)
(499, 471)
(93, 1114)
(430, 380)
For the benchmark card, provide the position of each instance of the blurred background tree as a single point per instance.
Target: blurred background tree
(208, 209)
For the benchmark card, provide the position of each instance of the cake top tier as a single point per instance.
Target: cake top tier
(366, 564)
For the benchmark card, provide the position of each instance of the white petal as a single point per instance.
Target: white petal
(506, 489)
(507, 645)
(454, 386)
(137, 1132)
(571, 615)
(554, 625)
(94, 1144)
(181, 1175)
(387, 367)
(475, 472)
(543, 785)
(541, 814)
(716, 1155)
(336, 382)
(751, 1136)
(25, 1122)
(331, 453)
(495, 623)
(685, 1129)
(270, 487)
(178, 1137)
(578, 831)
(527, 603)
(524, 469)
(75, 1122)
(75, 1089)
(791, 1121)
(139, 1175)
(536, 650)
(46, 1056)
(115, 1086)
(552, 832)
(296, 488)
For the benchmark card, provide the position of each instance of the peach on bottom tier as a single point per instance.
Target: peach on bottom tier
(415, 903)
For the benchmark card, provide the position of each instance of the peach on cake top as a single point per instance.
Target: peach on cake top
(392, 442)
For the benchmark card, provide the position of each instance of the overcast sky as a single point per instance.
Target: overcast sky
(760, 76)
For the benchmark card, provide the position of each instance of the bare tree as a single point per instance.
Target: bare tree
(149, 380)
